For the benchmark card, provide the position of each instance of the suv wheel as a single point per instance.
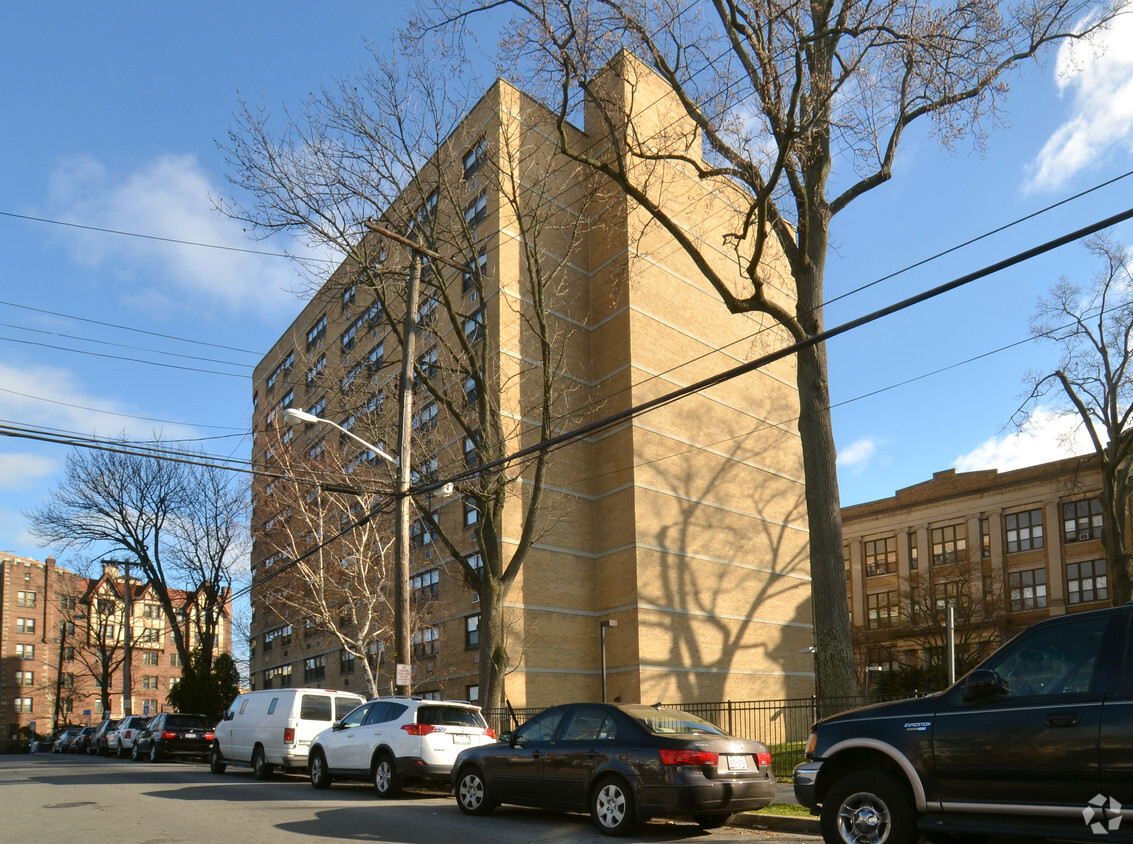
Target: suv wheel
(134, 752)
(868, 807)
(216, 761)
(154, 753)
(385, 777)
(320, 776)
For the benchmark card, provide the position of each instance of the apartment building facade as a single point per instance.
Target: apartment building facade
(1004, 548)
(667, 559)
(62, 637)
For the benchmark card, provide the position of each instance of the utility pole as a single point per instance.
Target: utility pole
(401, 636)
(127, 639)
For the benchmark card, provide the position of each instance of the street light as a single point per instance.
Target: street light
(294, 416)
(403, 678)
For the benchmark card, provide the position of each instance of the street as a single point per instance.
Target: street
(46, 797)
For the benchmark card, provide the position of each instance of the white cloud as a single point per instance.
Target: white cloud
(1047, 436)
(1101, 78)
(48, 397)
(169, 198)
(21, 471)
(858, 453)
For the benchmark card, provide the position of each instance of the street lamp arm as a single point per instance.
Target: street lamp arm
(294, 416)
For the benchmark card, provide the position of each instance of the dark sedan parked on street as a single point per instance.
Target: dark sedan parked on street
(174, 734)
(622, 763)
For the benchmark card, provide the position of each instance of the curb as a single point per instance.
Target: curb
(778, 823)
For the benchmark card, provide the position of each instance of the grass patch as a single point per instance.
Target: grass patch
(785, 756)
(791, 809)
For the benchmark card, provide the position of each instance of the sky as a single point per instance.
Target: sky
(114, 114)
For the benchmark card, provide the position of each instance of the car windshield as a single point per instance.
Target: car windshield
(186, 722)
(450, 716)
(669, 721)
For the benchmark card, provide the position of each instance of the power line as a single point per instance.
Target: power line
(124, 345)
(159, 238)
(128, 328)
(124, 358)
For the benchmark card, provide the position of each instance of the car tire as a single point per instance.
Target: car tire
(261, 769)
(318, 771)
(711, 821)
(134, 752)
(612, 807)
(216, 761)
(154, 752)
(868, 807)
(472, 793)
(385, 777)
(119, 753)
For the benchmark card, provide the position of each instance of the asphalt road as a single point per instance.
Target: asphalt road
(53, 798)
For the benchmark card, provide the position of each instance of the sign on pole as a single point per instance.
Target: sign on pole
(403, 675)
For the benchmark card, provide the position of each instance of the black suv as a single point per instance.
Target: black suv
(174, 734)
(1037, 742)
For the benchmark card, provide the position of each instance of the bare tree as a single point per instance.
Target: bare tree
(920, 624)
(1094, 381)
(105, 646)
(387, 147)
(118, 500)
(794, 110)
(321, 569)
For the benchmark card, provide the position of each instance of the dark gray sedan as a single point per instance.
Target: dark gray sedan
(622, 763)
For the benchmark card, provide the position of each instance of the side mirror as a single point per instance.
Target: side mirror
(507, 738)
(229, 715)
(338, 725)
(984, 683)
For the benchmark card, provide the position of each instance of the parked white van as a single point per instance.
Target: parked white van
(273, 728)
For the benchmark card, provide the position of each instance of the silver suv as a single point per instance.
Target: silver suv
(393, 741)
(120, 741)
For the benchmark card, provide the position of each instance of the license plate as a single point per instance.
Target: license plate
(191, 735)
(458, 738)
(737, 763)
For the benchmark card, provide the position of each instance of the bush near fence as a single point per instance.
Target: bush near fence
(783, 725)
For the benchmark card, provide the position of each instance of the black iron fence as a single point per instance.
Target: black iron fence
(783, 725)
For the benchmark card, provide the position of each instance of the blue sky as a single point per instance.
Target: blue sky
(114, 110)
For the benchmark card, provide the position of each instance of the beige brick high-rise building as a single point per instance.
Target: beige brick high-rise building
(685, 526)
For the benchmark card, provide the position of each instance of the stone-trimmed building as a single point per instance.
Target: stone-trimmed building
(61, 632)
(1008, 548)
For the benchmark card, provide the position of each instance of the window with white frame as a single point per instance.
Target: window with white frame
(25, 625)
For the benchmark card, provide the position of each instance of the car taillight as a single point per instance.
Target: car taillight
(169, 734)
(418, 729)
(763, 759)
(490, 733)
(688, 757)
(209, 736)
(126, 734)
(289, 735)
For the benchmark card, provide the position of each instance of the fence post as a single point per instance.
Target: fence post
(730, 730)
